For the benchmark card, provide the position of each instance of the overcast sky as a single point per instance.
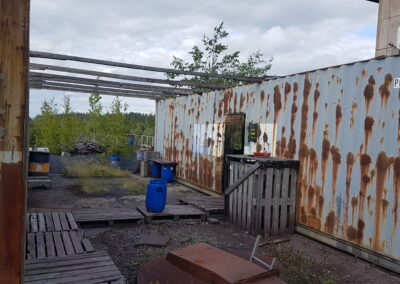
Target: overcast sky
(300, 35)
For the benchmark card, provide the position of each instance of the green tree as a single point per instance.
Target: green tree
(95, 121)
(213, 57)
(70, 126)
(47, 127)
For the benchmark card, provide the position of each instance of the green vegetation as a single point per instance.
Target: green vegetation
(92, 169)
(212, 57)
(107, 127)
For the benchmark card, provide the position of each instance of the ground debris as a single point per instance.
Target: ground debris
(152, 240)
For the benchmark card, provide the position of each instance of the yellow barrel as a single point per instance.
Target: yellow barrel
(39, 163)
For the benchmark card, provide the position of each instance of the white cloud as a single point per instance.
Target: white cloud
(300, 35)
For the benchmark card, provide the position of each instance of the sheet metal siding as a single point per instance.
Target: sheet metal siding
(342, 123)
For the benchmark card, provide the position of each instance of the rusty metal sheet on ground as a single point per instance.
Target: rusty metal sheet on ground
(216, 266)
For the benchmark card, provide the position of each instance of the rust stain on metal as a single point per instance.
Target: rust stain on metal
(336, 161)
(330, 223)
(379, 69)
(338, 115)
(368, 125)
(396, 193)
(349, 171)
(382, 165)
(384, 89)
(354, 106)
(291, 151)
(277, 108)
(262, 96)
(326, 145)
(365, 161)
(317, 94)
(369, 92)
(364, 73)
(288, 88)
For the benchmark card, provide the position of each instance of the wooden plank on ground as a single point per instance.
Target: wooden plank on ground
(34, 223)
(71, 221)
(56, 220)
(69, 249)
(40, 246)
(58, 244)
(88, 245)
(31, 246)
(173, 212)
(76, 242)
(49, 222)
(41, 222)
(64, 221)
(50, 244)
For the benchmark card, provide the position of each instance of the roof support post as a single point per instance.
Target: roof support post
(14, 58)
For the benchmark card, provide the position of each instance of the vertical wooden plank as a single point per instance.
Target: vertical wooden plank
(14, 101)
(239, 197)
(284, 200)
(41, 222)
(231, 177)
(31, 246)
(244, 200)
(63, 221)
(234, 194)
(34, 223)
(269, 173)
(249, 203)
(71, 221)
(56, 220)
(76, 242)
(27, 223)
(257, 223)
(69, 249)
(41, 249)
(275, 201)
(50, 249)
(293, 188)
(58, 244)
(49, 222)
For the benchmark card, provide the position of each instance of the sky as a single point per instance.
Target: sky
(308, 35)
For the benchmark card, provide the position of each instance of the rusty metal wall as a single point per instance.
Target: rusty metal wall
(14, 52)
(342, 123)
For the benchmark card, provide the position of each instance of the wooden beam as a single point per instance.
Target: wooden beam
(14, 101)
(97, 82)
(90, 90)
(48, 55)
(35, 66)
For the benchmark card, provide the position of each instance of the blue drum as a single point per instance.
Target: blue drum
(156, 196)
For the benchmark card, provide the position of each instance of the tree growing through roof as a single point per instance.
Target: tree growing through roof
(213, 57)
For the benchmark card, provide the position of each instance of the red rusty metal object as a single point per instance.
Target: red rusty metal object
(14, 52)
(217, 266)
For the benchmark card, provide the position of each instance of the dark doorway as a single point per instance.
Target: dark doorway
(234, 139)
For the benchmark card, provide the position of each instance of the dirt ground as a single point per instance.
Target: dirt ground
(301, 260)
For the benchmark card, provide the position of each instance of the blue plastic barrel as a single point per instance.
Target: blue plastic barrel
(155, 170)
(115, 161)
(156, 196)
(167, 173)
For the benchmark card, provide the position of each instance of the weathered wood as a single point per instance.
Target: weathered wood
(240, 197)
(88, 245)
(69, 249)
(234, 193)
(241, 179)
(27, 222)
(106, 214)
(293, 187)
(71, 221)
(284, 197)
(56, 220)
(63, 221)
(268, 199)
(39, 76)
(34, 223)
(249, 202)
(31, 246)
(49, 222)
(36, 66)
(58, 244)
(257, 223)
(50, 248)
(40, 246)
(41, 222)
(142, 67)
(243, 215)
(76, 242)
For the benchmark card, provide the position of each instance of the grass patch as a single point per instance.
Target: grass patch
(92, 169)
(134, 186)
(91, 186)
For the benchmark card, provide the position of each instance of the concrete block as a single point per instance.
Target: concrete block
(384, 9)
(382, 34)
(394, 8)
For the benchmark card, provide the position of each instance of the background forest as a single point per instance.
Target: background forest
(59, 128)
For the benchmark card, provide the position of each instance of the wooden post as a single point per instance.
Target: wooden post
(14, 56)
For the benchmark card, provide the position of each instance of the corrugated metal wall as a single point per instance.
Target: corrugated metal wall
(342, 123)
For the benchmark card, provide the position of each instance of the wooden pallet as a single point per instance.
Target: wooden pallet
(212, 205)
(50, 222)
(96, 267)
(109, 215)
(173, 212)
(50, 244)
